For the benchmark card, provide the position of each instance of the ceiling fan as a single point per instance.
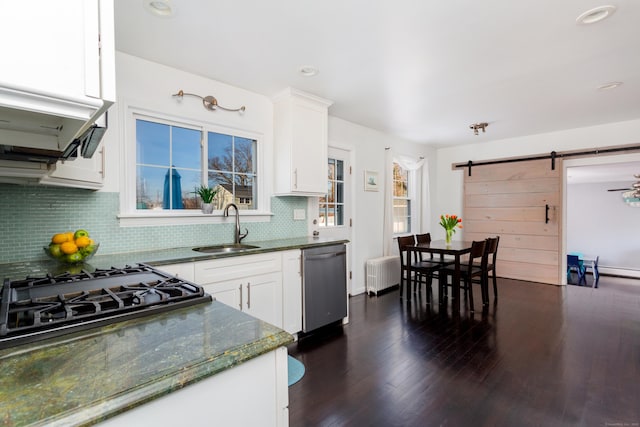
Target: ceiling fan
(631, 196)
(635, 187)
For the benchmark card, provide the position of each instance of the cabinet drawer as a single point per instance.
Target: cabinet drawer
(183, 270)
(236, 267)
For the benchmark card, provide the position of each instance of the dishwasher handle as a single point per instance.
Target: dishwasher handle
(324, 256)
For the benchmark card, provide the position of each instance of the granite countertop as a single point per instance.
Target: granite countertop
(44, 266)
(85, 377)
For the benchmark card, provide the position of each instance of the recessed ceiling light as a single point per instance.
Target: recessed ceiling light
(609, 86)
(160, 8)
(308, 70)
(595, 15)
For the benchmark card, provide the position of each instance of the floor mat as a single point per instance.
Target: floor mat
(295, 370)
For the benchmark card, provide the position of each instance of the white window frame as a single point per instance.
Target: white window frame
(413, 196)
(131, 217)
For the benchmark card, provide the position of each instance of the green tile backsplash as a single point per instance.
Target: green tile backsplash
(30, 215)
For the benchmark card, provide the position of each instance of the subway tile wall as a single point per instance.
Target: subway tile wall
(30, 215)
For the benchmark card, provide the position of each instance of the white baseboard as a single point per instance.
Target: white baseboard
(624, 272)
(357, 291)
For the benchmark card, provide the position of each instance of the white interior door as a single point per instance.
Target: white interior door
(331, 215)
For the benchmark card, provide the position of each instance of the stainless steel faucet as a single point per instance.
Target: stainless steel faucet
(239, 236)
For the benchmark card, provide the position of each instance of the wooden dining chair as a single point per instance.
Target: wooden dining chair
(428, 269)
(405, 263)
(491, 264)
(491, 253)
(475, 266)
(432, 261)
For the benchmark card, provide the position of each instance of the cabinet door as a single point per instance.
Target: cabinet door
(291, 292)
(229, 293)
(309, 148)
(57, 43)
(263, 298)
(300, 143)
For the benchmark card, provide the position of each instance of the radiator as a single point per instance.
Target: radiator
(382, 273)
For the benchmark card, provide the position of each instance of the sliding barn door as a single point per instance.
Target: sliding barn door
(510, 200)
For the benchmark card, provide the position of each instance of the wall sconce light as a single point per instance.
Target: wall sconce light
(209, 102)
(477, 126)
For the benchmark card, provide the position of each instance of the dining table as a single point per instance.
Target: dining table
(455, 249)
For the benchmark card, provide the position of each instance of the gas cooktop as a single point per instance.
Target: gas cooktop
(38, 308)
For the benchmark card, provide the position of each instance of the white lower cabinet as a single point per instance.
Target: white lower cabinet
(253, 393)
(267, 286)
(250, 283)
(259, 296)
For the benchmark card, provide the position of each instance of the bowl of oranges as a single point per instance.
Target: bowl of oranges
(72, 247)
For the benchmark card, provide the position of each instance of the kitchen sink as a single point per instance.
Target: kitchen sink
(234, 247)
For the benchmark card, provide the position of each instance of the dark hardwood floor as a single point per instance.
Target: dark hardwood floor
(542, 356)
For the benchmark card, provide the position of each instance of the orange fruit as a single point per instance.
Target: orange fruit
(68, 248)
(83, 241)
(59, 238)
(69, 236)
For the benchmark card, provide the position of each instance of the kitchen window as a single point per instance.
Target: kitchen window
(402, 192)
(169, 167)
(171, 159)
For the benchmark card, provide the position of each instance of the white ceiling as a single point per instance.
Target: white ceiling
(422, 70)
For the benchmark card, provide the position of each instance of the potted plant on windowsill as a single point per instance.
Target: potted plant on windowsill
(206, 195)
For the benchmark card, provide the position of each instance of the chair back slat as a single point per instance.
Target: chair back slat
(423, 238)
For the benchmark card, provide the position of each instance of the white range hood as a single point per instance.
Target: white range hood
(44, 122)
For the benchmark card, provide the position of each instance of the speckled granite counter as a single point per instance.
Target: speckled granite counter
(88, 376)
(20, 270)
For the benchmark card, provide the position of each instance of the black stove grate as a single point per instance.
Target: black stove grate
(37, 308)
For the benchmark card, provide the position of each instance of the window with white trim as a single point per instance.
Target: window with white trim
(173, 159)
(402, 199)
(331, 205)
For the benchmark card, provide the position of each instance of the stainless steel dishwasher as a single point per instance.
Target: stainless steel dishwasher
(324, 286)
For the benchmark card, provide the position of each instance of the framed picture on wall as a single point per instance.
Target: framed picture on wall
(371, 181)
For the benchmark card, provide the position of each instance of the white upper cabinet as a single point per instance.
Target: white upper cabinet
(56, 49)
(57, 78)
(300, 143)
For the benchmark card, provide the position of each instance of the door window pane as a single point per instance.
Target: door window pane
(331, 206)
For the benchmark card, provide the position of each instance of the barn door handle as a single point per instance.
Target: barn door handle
(546, 214)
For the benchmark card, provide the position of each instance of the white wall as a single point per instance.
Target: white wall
(369, 148)
(449, 182)
(600, 223)
(148, 85)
